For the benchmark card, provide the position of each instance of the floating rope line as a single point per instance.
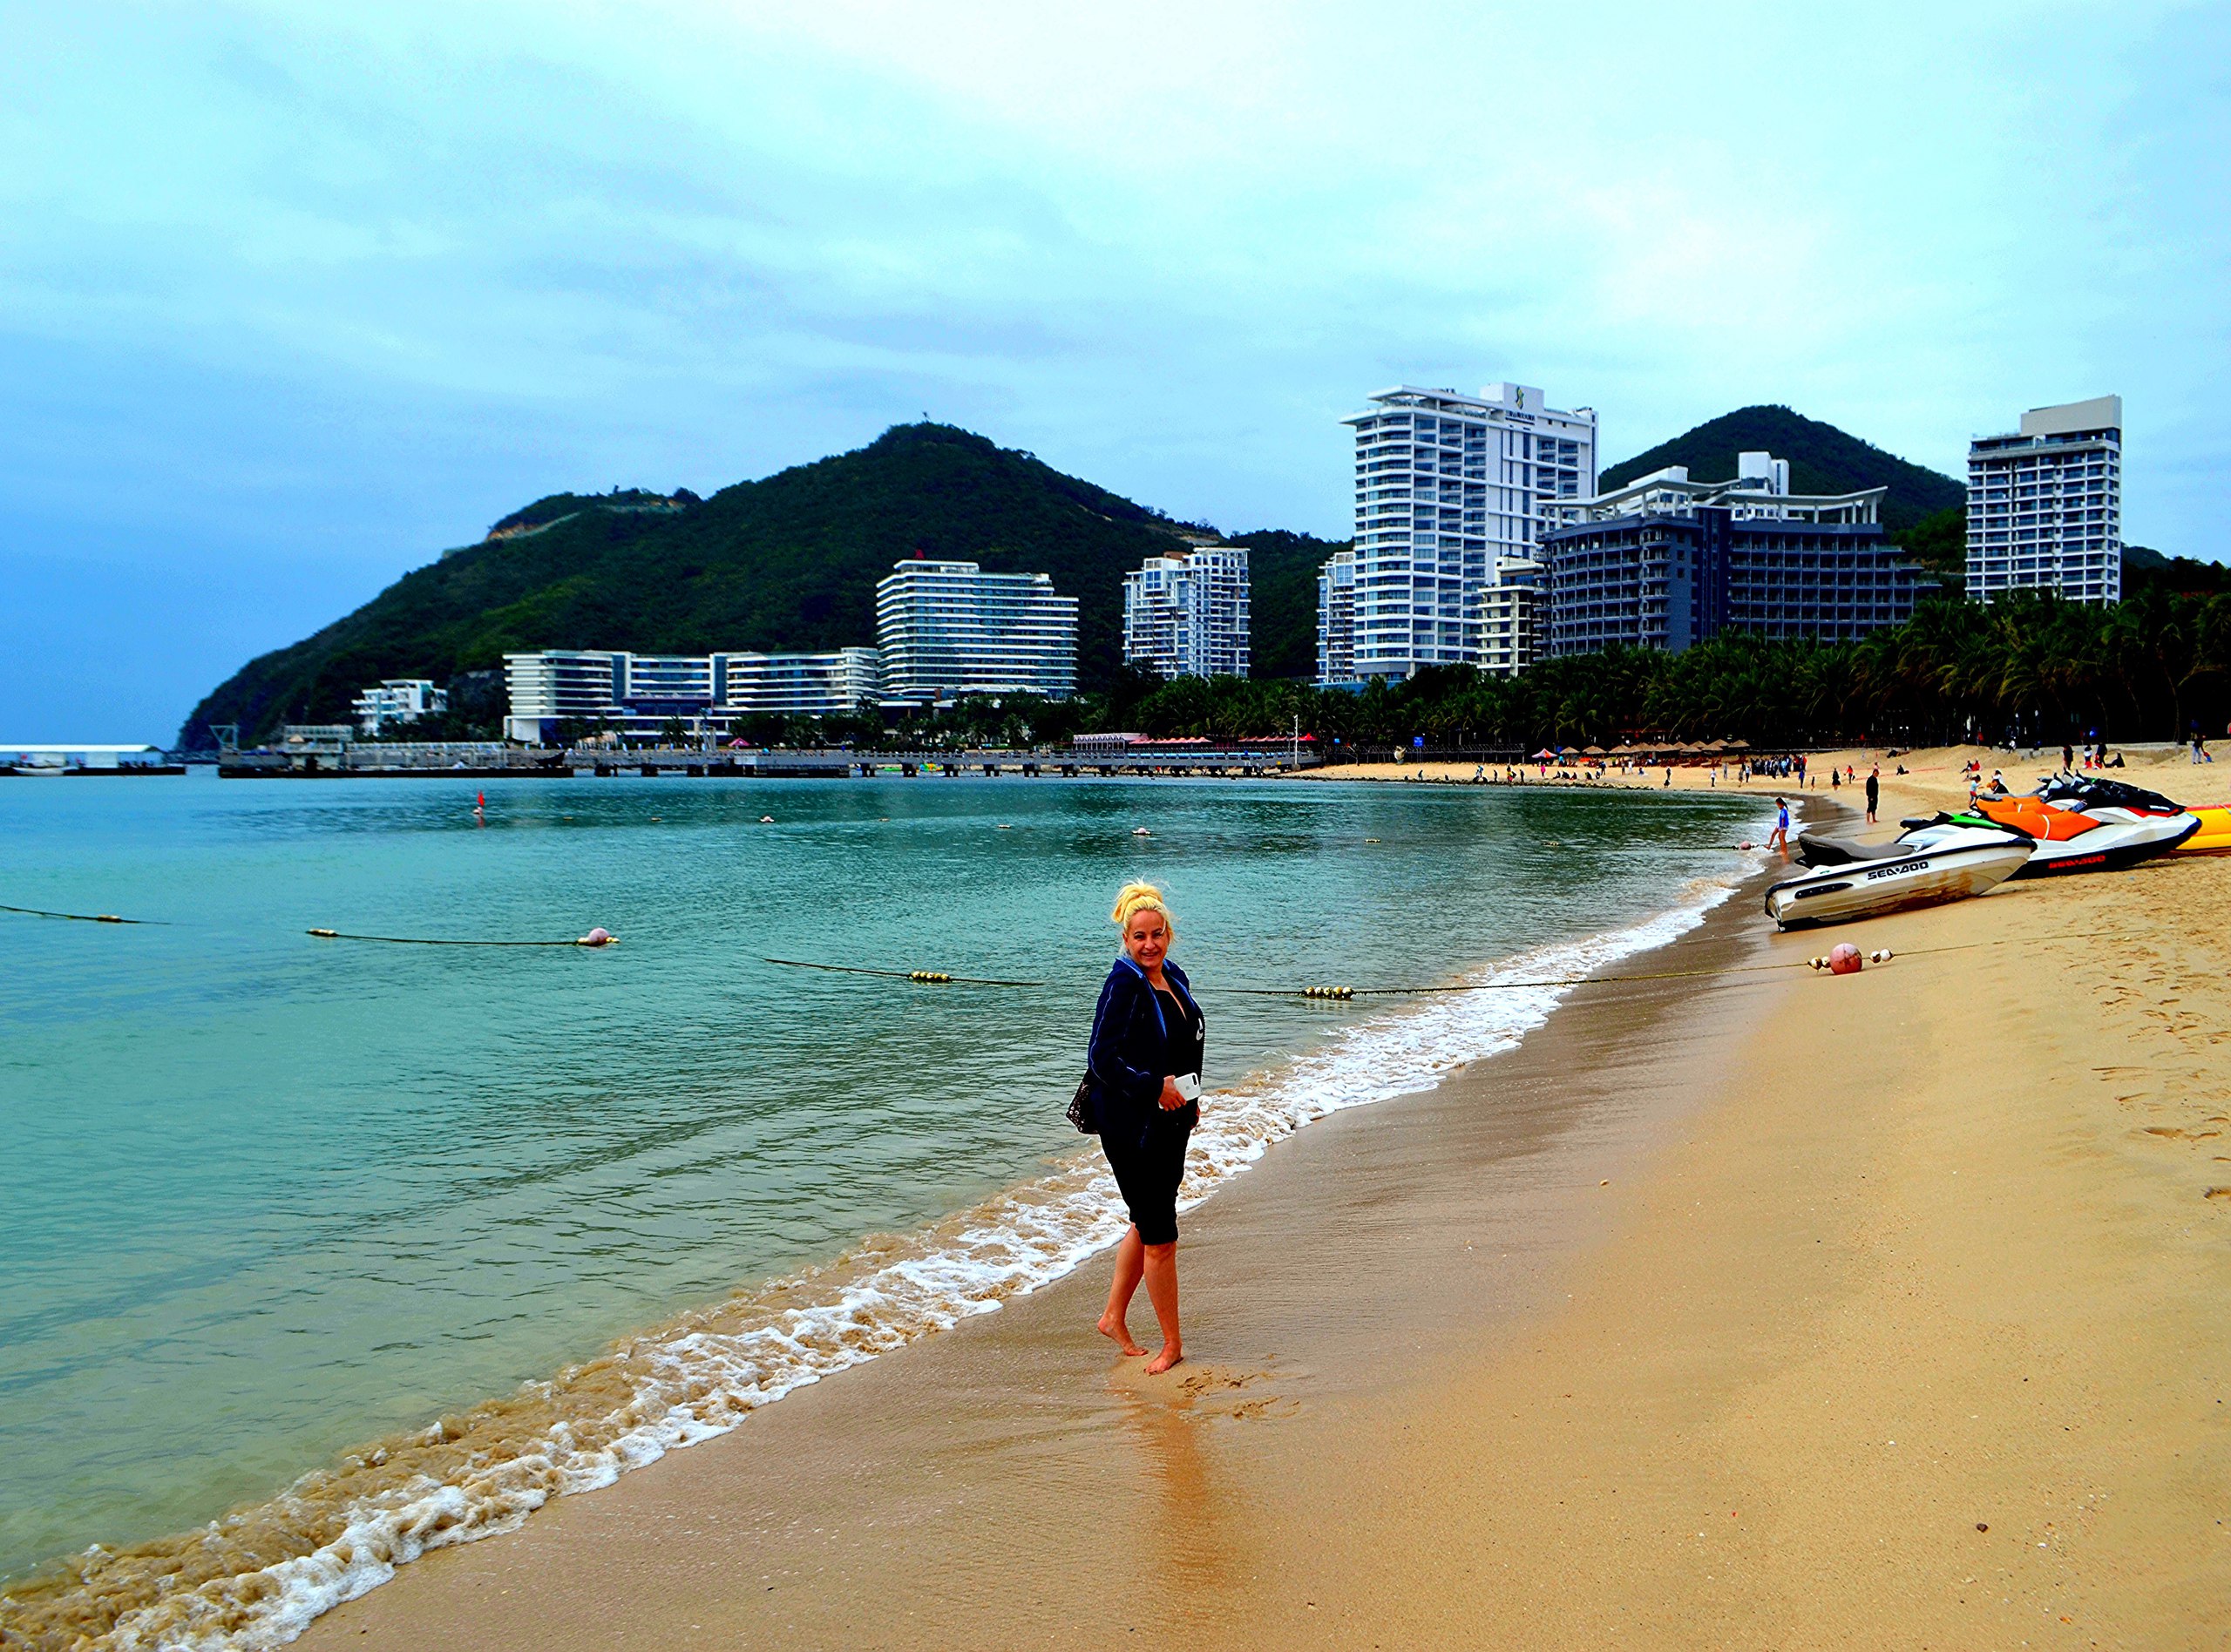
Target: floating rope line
(934, 978)
(594, 938)
(84, 917)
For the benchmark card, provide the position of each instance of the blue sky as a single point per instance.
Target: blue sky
(292, 297)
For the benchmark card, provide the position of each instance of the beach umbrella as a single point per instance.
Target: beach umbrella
(1544, 755)
(1738, 745)
(1566, 751)
(1623, 749)
(1595, 751)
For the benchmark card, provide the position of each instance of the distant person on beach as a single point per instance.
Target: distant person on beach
(1148, 1036)
(1780, 838)
(1873, 791)
(2068, 759)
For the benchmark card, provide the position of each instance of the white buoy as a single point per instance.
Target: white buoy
(1141, 831)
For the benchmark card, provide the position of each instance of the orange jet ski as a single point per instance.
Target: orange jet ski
(2090, 826)
(2213, 836)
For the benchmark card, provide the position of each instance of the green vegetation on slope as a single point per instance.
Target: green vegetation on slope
(1823, 459)
(789, 562)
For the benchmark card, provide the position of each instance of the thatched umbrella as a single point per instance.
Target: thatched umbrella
(1593, 751)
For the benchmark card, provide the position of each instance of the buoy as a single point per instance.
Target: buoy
(597, 937)
(1141, 831)
(1328, 991)
(766, 820)
(325, 935)
(933, 977)
(1844, 959)
(1881, 955)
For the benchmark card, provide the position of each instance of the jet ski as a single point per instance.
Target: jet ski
(2213, 836)
(1944, 858)
(2090, 825)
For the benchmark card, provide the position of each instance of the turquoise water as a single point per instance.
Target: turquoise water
(270, 1196)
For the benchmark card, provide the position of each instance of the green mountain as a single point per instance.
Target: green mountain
(788, 562)
(1823, 459)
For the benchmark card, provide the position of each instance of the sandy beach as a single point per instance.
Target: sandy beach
(1747, 1307)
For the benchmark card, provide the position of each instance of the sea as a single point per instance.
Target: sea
(330, 1233)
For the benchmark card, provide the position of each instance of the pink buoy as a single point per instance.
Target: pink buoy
(1844, 959)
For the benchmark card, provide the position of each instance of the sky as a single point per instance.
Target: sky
(292, 297)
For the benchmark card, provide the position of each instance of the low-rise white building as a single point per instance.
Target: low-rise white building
(809, 685)
(398, 700)
(1186, 614)
(949, 628)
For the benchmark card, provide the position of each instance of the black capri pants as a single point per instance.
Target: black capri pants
(1149, 1163)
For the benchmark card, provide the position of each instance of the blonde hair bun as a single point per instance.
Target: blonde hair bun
(1138, 898)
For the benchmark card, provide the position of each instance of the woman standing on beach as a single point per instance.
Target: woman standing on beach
(1145, 1063)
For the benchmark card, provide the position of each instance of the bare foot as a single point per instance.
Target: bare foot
(1170, 1354)
(1119, 1333)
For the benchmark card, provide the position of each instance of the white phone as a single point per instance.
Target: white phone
(1189, 1086)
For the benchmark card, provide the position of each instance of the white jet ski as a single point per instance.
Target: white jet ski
(1944, 861)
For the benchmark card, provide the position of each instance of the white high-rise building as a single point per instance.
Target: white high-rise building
(1186, 614)
(1446, 484)
(948, 628)
(2044, 504)
(1336, 619)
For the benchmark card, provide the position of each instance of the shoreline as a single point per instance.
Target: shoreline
(1016, 1408)
(1898, 1322)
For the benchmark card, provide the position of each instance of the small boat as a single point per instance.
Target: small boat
(1952, 861)
(2090, 826)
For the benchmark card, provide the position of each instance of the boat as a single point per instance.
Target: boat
(2091, 825)
(1932, 863)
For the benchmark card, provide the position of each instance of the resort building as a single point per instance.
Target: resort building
(643, 696)
(1446, 485)
(1186, 614)
(949, 628)
(399, 700)
(1665, 562)
(1336, 620)
(1510, 614)
(810, 685)
(2044, 504)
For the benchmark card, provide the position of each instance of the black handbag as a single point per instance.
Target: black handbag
(1083, 1110)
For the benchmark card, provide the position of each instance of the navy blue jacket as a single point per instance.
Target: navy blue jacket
(1134, 1048)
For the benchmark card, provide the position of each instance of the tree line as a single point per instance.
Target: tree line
(2154, 666)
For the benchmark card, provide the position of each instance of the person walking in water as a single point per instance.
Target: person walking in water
(1148, 1036)
(1780, 838)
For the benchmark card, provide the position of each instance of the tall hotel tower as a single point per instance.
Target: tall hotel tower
(2045, 505)
(1447, 486)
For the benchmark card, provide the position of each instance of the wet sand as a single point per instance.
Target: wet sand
(1882, 1261)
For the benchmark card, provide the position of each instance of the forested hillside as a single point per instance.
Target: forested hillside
(789, 562)
(1823, 459)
